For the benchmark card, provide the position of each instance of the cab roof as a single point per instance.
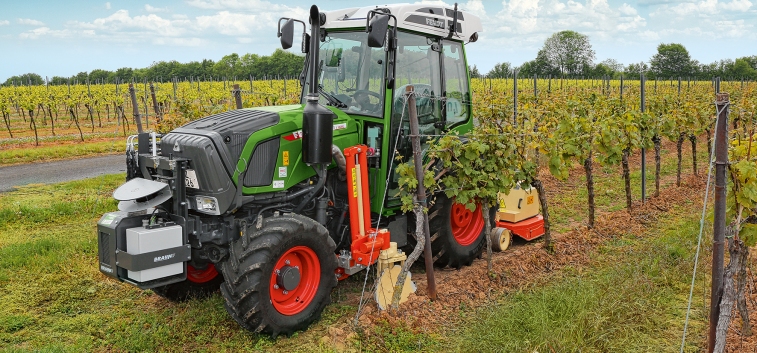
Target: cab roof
(430, 19)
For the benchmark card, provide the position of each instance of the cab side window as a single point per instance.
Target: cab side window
(457, 105)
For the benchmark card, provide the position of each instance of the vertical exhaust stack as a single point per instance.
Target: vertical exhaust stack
(317, 120)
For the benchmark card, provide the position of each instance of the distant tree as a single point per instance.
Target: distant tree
(634, 71)
(671, 60)
(742, 68)
(124, 74)
(501, 70)
(608, 67)
(25, 79)
(229, 66)
(474, 72)
(80, 77)
(99, 75)
(567, 52)
(58, 80)
(528, 69)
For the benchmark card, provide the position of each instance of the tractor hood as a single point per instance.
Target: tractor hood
(229, 132)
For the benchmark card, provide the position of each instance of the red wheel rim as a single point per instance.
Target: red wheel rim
(297, 298)
(201, 276)
(466, 225)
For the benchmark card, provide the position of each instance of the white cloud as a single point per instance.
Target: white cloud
(30, 22)
(107, 6)
(64, 33)
(707, 18)
(702, 9)
(180, 42)
(231, 24)
(121, 21)
(253, 5)
(4, 23)
(149, 8)
(538, 19)
(737, 5)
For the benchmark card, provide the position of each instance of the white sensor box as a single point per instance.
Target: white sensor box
(141, 240)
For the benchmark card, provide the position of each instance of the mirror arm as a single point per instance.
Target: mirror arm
(453, 28)
(278, 31)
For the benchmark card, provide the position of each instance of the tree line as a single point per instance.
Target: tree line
(279, 64)
(569, 54)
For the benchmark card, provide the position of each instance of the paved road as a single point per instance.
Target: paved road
(60, 171)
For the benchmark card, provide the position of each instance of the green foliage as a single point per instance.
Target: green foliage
(748, 234)
(569, 52)
(671, 60)
(479, 165)
(279, 64)
(500, 70)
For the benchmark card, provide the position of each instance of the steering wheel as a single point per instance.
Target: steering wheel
(366, 105)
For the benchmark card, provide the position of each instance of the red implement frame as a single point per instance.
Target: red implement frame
(366, 241)
(528, 229)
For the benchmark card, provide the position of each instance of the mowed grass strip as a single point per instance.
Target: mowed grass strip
(631, 298)
(46, 153)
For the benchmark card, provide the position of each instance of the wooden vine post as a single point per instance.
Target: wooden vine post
(137, 117)
(420, 191)
(158, 113)
(719, 214)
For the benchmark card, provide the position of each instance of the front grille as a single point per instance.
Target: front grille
(262, 164)
(104, 245)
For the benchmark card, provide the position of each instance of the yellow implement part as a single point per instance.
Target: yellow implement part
(518, 205)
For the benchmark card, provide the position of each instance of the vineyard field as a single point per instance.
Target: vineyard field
(40, 115)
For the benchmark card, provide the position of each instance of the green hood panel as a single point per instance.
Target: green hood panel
(290, 169)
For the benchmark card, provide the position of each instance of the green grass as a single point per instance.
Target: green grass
(53, 152)
(632, 298)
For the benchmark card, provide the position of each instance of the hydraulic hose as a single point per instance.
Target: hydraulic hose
(318, 186)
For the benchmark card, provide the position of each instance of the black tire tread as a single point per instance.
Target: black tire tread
(247, 274)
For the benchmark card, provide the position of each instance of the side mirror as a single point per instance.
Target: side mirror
(377, 30)
(287, 34)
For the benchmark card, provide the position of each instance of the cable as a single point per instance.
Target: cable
(701, 228)
(361, 303)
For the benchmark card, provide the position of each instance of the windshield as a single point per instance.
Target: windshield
(351, 74)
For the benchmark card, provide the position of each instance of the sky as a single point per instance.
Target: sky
(62, 38)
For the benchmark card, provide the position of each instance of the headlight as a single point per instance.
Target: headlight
(207, 204)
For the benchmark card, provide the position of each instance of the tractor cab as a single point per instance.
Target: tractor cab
(369, 56)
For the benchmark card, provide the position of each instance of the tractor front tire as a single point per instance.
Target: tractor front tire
(200, 284)
(458, 235)
(279, 277)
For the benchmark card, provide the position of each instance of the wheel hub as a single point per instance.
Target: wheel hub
(295, 280)
(466, 225)
(288, 278)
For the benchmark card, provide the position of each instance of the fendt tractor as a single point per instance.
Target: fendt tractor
(275, 205)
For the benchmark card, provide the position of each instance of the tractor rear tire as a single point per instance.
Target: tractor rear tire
(279, 277)
(199, 284)
(458, 236)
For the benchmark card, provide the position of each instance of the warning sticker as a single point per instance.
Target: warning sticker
(354, 182)
(285, 157)
(529, 200)
(282, 172)
(278, 184)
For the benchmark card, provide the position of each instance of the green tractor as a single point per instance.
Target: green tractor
(275, 205)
